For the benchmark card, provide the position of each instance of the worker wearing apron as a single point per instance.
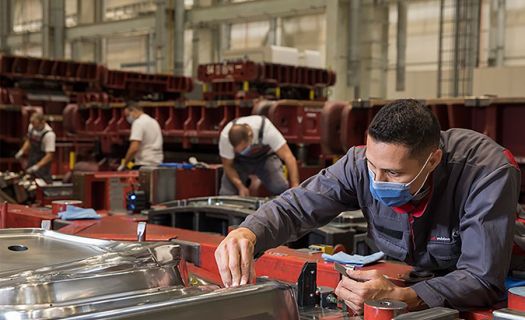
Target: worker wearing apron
(253, 146)
(39, 147)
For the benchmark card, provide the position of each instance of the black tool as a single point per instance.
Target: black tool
(341, 269)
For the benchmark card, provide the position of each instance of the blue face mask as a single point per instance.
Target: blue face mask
(246, 151)
(394, 194)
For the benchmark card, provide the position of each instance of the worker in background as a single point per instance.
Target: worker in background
(442, 201)
(145, 140)
(253, 146)
(39, 146)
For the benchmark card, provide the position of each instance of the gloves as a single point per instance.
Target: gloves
(121, 168)
(19, 154)
(197, 164)
(33, 169)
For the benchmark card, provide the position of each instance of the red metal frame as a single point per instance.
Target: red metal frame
(20, 216)
(55, 70)
(246, 79)
(298, 121)
(281, 263)
(94, 187)
(137, 82)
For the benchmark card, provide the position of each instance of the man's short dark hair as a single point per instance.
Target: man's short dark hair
(133, 105)
(38, 117)
(238, 133)
(407, 122)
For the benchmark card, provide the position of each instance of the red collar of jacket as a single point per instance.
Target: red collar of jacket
(416, 210)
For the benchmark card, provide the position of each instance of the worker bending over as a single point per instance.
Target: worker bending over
(253, 146)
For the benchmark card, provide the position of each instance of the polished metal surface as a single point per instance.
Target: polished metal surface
(508, 314)
(41, 269)
(205, 214)
(44, 248)
(232, 202)
(264, 302)
(48, 275)
(438, 313)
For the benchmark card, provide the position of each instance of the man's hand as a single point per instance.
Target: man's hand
(234, 258)
(121, 168)
(244, 192)
(33, 169)
(19, 154)
(366, 285)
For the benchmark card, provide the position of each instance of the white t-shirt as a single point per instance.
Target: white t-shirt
(271, 136)
(48, 142)
(147, 130)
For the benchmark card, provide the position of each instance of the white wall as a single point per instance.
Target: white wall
(503, 82)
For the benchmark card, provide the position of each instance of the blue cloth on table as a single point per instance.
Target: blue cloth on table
(177, 165)
(76, 213)
(511, 282)
(353, 259)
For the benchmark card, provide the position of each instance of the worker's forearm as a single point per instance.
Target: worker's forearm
(293, 171)
(233, 176)
(25, 147)
(130, 155)
(45, 160)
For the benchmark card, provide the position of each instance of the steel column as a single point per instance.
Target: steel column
(5, 24)
(354, 46)
(53, 28)
(179, 23)
(401, 44)
(497, 33)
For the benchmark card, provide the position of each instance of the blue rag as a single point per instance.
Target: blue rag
(177, 165)
(76, 213)
(511, 282)
(353, 259)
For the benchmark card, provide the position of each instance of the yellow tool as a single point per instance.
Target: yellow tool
(324, 248)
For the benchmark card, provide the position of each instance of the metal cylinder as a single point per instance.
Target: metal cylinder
(383, 309)
(61, 205)
(517, 299)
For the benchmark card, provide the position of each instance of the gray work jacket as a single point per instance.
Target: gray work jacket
(464, 234)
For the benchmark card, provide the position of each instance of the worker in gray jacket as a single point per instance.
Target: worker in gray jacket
(442, 201)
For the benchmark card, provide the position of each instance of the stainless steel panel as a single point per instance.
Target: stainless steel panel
(259, 302)
(438, 313)
(34, 248)
(48, 275)
(508, 314)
